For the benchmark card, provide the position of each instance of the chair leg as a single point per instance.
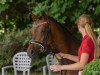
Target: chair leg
(44, 70)
(15, 72)
(28, 72)
(24, 72)
(3, 71)
(49, 72)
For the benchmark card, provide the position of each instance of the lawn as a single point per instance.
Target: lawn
(10, 72)
(32, 73)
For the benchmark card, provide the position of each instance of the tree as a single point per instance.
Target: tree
(15, 14)
(67, 11)
(64, 11)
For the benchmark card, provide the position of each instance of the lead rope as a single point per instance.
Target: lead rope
(63, 72)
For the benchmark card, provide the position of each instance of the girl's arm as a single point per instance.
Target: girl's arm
(77, 66)
(67, 56)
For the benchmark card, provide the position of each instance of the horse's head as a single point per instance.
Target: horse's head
(40, 35)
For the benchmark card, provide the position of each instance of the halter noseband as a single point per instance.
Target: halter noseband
(45, 40)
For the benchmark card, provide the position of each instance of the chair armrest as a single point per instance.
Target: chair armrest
(10, 66)
(6, 67)
(44, 70)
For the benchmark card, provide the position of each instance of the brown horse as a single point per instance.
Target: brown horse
(48, 36)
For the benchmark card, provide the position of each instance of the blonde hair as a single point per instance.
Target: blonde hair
(98, 42)
(87, 24)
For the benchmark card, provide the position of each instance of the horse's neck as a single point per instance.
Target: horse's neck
(64, 41)
(59, 38)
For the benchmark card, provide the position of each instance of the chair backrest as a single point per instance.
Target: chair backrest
(21, 61)
(51, 60)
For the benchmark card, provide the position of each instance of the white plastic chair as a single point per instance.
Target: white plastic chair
(80, 72)
(21, 62)
(50, 60)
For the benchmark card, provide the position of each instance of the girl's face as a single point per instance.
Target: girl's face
(80, 28)
(81, 24)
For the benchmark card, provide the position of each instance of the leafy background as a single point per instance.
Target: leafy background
(93, 68)
(15, 21)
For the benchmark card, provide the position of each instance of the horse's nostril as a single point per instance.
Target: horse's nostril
(32, 52)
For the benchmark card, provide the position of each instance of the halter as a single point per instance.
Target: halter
(45, 40)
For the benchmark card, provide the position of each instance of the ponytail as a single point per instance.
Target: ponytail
(87, 24)
(93, 37)
(98, 47)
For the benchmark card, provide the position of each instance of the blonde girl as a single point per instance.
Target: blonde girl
(88, 49)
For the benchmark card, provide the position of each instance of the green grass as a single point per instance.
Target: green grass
(20, 73)
(34, 73)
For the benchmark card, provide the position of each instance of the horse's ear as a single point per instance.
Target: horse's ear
(34, 17)
(44, 15)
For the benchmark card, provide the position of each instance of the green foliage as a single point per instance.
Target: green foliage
(93, 68)
(12, 43)
(4, 5)
(97, 9)
(5, 1)
(18, 12)
(9, 71)
(54, 8)
(39, 62)
(64, 11)
(67, 11)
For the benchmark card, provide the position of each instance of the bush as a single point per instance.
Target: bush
(93, 68)
(11, 43)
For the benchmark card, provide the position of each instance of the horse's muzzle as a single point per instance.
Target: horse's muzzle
(32, 53)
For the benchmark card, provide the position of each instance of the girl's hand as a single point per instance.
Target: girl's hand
(56, 67)
(60, 55)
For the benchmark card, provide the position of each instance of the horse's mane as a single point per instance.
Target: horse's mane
(64, 29)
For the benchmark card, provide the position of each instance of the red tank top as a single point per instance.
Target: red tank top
(87, 46)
